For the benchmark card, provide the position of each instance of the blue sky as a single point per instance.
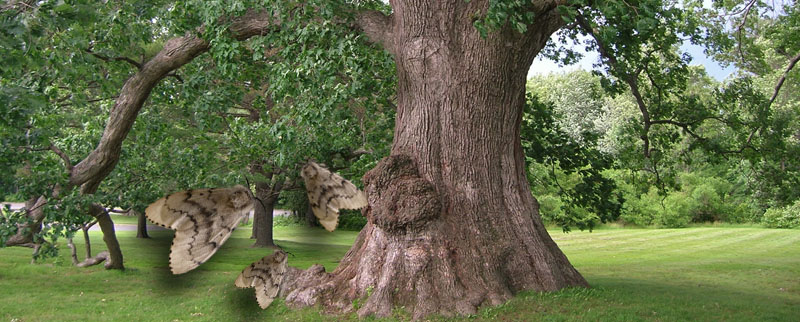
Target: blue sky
(544, 66)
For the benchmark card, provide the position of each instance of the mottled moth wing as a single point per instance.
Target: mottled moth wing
(266, 276)
(203, 219)
(328, 192)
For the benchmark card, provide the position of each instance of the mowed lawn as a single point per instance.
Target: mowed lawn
(690, 274)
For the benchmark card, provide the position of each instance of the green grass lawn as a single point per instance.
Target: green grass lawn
(699, 273)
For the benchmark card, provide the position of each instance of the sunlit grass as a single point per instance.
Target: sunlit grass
(700, 273)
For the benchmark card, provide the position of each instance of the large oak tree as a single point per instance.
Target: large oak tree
(452, 225)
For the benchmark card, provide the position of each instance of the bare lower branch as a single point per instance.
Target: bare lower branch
(91, 261)
(745, 12)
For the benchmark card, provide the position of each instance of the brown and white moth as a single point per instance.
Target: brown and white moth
(328, 192)
(203, 219)
(266, 276)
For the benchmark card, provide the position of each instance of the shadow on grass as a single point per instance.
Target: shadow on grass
(158, 248)
(243, 300)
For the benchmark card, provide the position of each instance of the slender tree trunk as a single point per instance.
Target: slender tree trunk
(87, 240)
(109, 237)
(452, 224)
(256, 226)
(263, 211)
(141, 225)
(73, 252)
(308, 215)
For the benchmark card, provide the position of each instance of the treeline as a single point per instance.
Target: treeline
(586, 164)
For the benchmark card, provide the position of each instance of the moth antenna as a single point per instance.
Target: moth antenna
(285, 251)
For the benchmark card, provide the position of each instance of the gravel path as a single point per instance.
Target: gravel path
(132, 227)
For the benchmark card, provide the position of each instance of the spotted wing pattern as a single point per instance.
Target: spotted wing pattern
(266, 276)
(203, 219)
(328, 192)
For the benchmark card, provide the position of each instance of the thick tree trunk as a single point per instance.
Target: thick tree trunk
(141, 225)
(452, 225)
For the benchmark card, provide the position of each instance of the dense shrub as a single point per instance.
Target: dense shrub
(654, 209)
(641, 210)
(678, 209)
(706, 204)
(738, 212)
(784, 217)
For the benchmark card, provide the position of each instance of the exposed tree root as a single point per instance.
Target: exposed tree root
(91, 261)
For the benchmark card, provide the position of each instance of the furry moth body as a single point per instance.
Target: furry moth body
(203, 219)
(328, 192)
(266, 276)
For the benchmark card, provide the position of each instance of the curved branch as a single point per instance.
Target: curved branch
(684, 126)
(63, 156)
(783, 78)
(177, 52)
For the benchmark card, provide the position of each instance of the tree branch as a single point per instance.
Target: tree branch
(107, 59)
(377, 26)
(234, 114)
(783, 78)
(63, 156)
(627, 78)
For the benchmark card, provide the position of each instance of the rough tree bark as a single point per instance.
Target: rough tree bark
(452, 224)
